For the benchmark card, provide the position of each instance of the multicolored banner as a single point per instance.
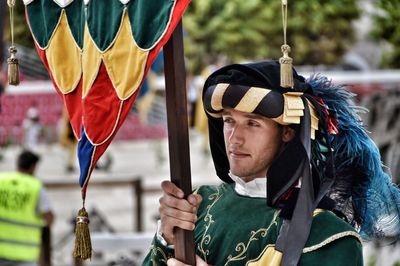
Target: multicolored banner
(98, 54)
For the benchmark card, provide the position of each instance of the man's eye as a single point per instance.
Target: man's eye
(228, 120)
(253, 124)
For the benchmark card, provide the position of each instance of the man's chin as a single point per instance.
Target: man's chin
(239, 173)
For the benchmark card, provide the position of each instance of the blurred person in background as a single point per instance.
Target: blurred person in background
(24, 211)
(32, 128)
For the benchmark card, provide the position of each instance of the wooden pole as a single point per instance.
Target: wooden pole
(178, 135)
(137, 187)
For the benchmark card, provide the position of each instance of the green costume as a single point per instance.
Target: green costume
(236, 230)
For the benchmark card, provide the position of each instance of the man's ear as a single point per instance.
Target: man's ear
(288, 134)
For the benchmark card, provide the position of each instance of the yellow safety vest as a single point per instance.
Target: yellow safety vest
(20, 226)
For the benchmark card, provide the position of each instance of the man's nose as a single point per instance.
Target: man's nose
(236, 135)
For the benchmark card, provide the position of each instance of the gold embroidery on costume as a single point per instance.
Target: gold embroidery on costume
(242, 247)
(196, 191)
(331, 239)
(208, 219)
(154, 251)
(318, 211)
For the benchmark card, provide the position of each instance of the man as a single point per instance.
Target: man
(32, 127)
(24, 210)
(299, 173)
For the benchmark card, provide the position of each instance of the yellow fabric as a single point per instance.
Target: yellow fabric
(19, 253)
(216, 98)
(317, 211)
(125, 61)
(91, 60)
(20, 227)
(314, 120)
(294, 109)
(270, 257)
(17, 232)
(64, 57)
(251, 99)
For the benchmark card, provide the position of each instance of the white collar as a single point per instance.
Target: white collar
(256, 188)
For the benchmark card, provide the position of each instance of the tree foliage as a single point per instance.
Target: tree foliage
(387, 27)
(319, 32)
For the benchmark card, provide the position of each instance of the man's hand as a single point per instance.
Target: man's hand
(175, 262)
(175, 211)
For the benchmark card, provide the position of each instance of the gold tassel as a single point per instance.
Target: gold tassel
(13, 67)
(83, 245)
(286, 63)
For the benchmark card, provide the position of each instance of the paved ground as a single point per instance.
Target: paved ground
(147, 159)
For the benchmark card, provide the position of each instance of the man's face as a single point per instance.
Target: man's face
(252, 142)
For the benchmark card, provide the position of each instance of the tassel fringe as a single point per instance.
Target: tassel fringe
(13, 67)
(286, 68)
(83, 245)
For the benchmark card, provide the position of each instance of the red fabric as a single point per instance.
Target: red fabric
(101, 108)
(100, 149)
(73, 103)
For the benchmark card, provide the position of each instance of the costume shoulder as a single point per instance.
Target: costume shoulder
(332, 242)
(326, 228)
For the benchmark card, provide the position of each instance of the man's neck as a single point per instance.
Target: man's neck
(26, 172)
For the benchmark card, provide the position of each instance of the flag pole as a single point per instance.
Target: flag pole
(178, 135)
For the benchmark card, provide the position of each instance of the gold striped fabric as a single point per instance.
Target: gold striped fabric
(216, 99)
(251, 99)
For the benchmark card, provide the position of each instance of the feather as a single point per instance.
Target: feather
(363, 190)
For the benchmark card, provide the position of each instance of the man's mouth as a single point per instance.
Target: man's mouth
(238, 154)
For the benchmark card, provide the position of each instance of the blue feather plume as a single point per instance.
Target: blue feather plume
(362, 183)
